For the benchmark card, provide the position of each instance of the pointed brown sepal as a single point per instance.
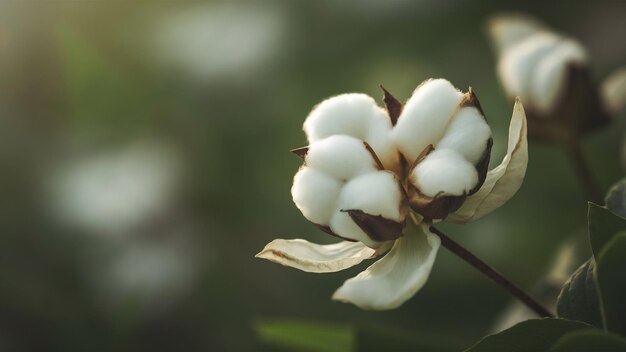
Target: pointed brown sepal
(300, 152)
(470, 99)
(393, 106)
(437, 207)
(482, 167)
(374, 156)
(376, 227)
(330, 232)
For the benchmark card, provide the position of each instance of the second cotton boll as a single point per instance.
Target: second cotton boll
(551, 72)
(534, 61)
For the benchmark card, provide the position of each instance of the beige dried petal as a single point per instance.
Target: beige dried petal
(396, 277)
(316, 258)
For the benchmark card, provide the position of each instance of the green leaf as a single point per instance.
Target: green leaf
(579, 298)
(297, 335)
(385, 339)
(610, 271)
(536, 335)
(587, 340)
(603, 224)
(616, 198)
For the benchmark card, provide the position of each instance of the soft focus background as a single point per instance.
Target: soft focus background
(144, 161)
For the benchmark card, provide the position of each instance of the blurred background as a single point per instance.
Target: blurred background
(144, 161)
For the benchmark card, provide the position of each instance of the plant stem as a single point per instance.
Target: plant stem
(492, 273)
(582, 171)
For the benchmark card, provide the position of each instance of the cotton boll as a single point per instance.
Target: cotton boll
(376, 193)
(425, 116)
(315, 194)
(517, 64)
(507, 30)
(444, 170)
(349, 114)
(467, 134)
(226, 41)
(339, 156)
(113, 191)
(549, 77)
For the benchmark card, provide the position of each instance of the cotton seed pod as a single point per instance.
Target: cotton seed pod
(551, 73)
(366, 166)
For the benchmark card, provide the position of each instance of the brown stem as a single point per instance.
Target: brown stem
(582, 171)
(492, 273)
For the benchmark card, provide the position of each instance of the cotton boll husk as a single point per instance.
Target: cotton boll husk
(444, 170)
(315, 194)
(516, 64)
(507, 30)
(425, 116)
(549, 75)
(376, 193)
(467, 134)
(340, 156)
(349, 114)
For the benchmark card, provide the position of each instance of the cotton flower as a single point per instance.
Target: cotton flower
(367, 168)
(551, 73)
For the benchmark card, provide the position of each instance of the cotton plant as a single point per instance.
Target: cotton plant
(551, 72)
(379, 178)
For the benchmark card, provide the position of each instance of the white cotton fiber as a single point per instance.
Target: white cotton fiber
(315, 194)
(374, 193)
(444, 170)
(340, 156)
(342, 224)
(379, 138)
(550, 73)
(517, 64)
(349, 114)
(467, 134)
(425, 116)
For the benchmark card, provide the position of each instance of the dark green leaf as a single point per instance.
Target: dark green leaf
(384, 339)
(297, 335)
(535, 335)
(578, 299)
(587, 340)
(616, 198)
(610, 271)
(603, 224)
